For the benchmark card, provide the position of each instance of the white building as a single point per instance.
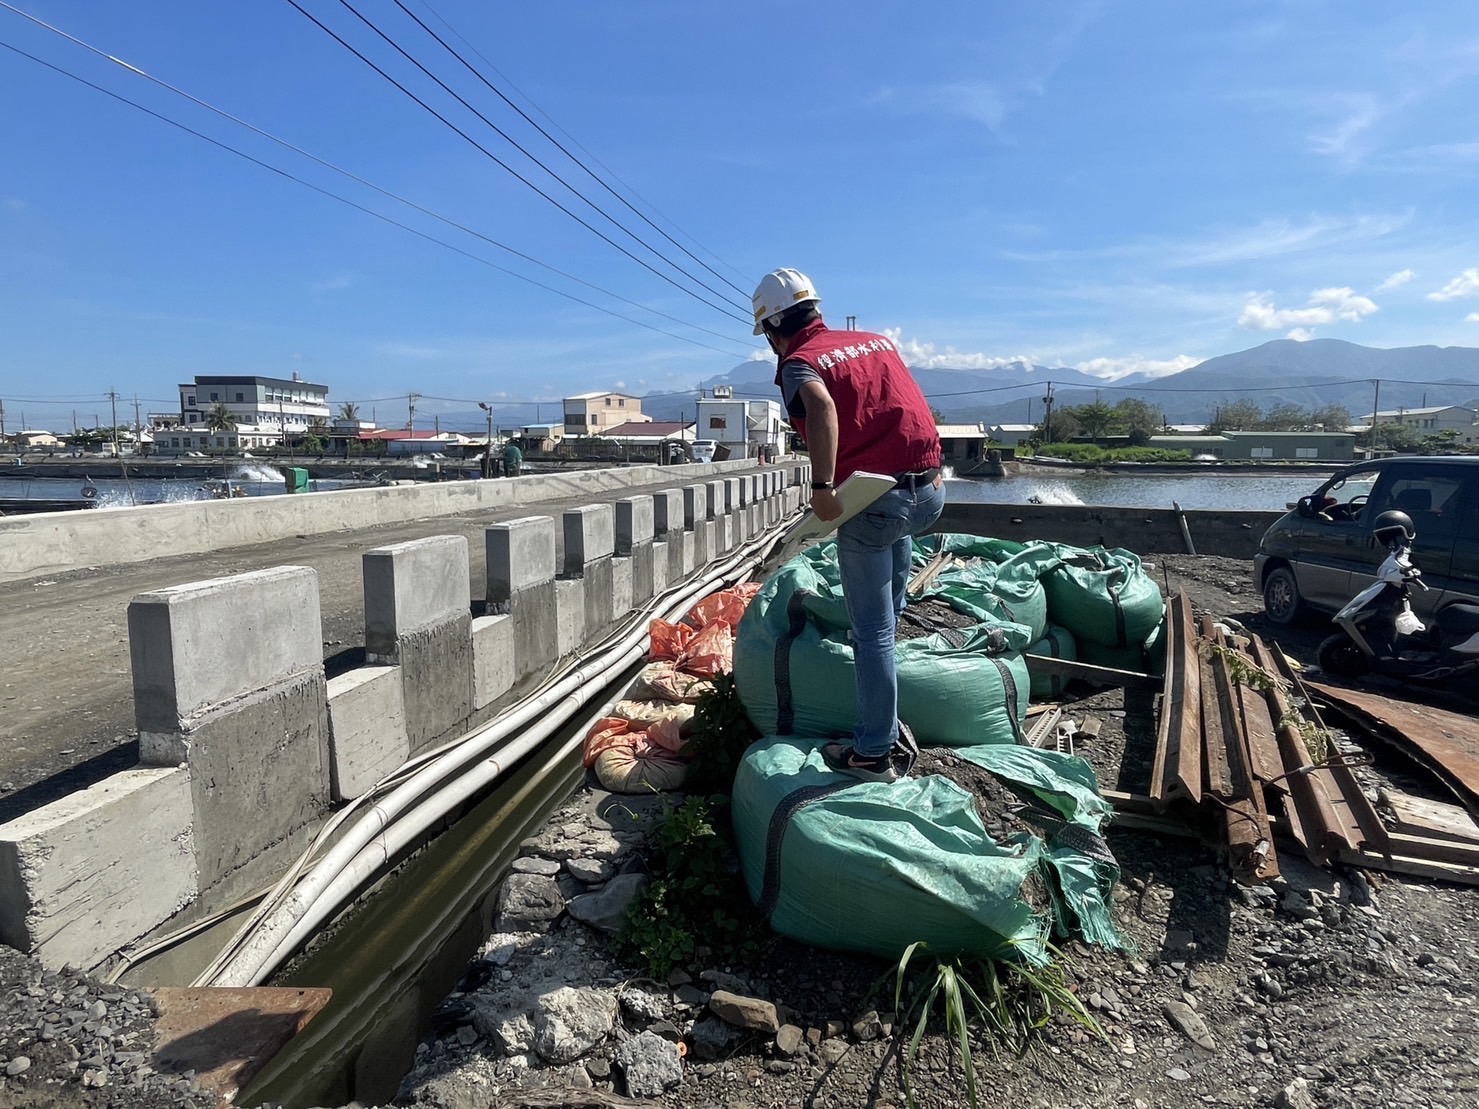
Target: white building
(230, 439)
(745, 427)
(593, 413)
(1430, 421)
(291, 406)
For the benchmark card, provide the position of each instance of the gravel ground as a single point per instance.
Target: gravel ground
(1332, 988)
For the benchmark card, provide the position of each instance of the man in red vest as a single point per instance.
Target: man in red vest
(852, 399)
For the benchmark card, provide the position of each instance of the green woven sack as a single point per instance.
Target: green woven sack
(1103, 596)
(1057, 643)
(872, 868)
(793, 665)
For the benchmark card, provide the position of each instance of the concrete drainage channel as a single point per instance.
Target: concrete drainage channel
(431, 849)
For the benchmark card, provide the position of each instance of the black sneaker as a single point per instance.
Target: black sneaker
(843, 759)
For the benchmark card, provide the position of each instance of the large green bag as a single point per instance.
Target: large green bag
(793, 663)
(1103, 596)
(873, 868)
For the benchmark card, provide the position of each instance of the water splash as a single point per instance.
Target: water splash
(1053, 492)
(257, 471)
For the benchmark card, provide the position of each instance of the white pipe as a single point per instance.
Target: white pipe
(420, 799)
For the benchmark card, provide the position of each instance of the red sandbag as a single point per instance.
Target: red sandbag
(725, 607)
(710, 653)
(668, 640)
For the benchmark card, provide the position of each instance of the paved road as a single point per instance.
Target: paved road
(66, 695)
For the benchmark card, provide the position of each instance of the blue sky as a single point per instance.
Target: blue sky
(1113, 186)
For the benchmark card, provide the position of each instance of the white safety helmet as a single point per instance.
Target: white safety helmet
(779, 290)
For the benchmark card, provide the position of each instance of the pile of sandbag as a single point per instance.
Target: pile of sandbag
(641, 746)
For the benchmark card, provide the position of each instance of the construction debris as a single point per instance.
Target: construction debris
(1241, 746)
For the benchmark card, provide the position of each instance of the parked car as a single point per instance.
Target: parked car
(1321, 552)
(703, 449)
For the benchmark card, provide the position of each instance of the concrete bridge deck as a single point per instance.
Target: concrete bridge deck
(66, 699)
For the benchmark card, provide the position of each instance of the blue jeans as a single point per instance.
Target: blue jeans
(873, 551)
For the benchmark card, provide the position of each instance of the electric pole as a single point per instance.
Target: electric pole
(2, 420)
(1375, 416)
(113, 397)
(411, 399)
(1047, 423)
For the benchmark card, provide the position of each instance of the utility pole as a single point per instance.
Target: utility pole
(852, 323)
(1047, 424)
(113, 397)
(2, 420)
(1375, 417)
(411, 399)
(488, 453)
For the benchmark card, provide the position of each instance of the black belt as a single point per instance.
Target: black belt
(913, 479)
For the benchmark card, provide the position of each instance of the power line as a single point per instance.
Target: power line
(344, 172)
(560, 147)
(358, 207)
(499, 161)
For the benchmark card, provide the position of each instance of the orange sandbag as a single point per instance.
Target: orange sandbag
(710, 653)
(605, 734)
(664, 681)
(666, 724)
(668, 640)
(625, 770)
(725, 607)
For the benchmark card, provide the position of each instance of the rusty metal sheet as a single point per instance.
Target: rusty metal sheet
(1177, 768)
(1446, 742)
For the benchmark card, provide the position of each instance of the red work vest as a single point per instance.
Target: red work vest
(884, 425)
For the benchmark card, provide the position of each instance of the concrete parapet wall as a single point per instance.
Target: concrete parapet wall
(1144, 530)
(55, 542)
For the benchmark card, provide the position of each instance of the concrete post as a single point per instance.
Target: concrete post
(590, 545)
(635, 530)
(418, 616)
(695, 515)
(228, 679)
(521, 585)
(668, 531)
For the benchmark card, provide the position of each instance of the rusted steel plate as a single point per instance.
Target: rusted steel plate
(1177, 768)
(1325, 832)
(1446, 742)
(1215, 724)
(226, 1035)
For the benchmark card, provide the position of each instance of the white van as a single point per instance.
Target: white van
(703, 449)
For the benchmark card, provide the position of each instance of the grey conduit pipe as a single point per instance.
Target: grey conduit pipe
(405, 813)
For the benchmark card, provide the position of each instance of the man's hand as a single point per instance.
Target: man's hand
(825, 504)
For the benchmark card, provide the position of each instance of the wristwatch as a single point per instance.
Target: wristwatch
(819, 485)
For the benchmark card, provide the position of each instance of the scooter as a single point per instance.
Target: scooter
(1380, 633)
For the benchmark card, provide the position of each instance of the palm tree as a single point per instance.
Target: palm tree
(220, 419)
(349, 412)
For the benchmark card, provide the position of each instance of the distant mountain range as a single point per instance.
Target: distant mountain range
(1311, 374)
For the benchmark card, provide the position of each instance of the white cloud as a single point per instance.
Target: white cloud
(1472, 317)
(1465, 284)
(620, 385)
(1358, 114)
(926, 356)
(1325, 306)
(1401, 277)
(1300, 335)
(14, 203)
(1112, 369)
(333, 284)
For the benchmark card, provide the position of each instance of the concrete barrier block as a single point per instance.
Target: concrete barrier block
(590, 544)
(520, 554)
(259, 771)
(418, 617)
(88, 874)
(662, 554)
(521, 584)
(200, 644)
(412, 586)
(636, 519)
(689, 556)
(728, 528)
(590, 537)
(695, 505)
(569, 615)
(744, 487)
(367, 729)
(667, 513)
(718, 499)
(494, 665)
(623, 582)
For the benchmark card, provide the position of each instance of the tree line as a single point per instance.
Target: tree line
(1138, 420)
